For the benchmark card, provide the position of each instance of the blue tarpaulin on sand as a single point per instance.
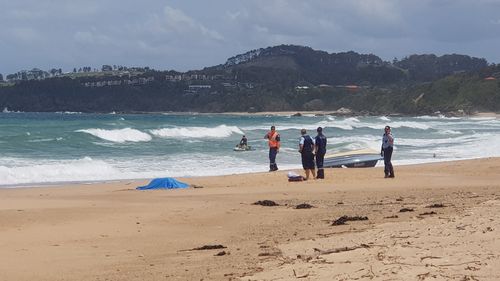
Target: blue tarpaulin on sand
(164, 183)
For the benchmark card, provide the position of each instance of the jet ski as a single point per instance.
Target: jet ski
(243, 148)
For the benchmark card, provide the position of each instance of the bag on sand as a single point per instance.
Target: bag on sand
(293, 176)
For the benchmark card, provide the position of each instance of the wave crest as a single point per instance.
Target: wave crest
(221, 131)
(119, 135)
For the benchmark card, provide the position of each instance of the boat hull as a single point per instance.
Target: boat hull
(352, 161)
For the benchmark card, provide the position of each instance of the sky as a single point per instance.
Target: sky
(187, 35)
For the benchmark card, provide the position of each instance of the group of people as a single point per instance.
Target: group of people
(309, 148)
(315, 149)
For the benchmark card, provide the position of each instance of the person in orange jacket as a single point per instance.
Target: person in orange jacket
(274, 147)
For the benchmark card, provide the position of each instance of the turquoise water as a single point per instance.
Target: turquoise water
(58, 147)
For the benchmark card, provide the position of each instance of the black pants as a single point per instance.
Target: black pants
(320, 157)
(273, 151)
(388, 169)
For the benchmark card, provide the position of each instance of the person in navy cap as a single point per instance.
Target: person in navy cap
(320, 151)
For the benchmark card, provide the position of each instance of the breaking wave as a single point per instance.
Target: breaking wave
(221, 131)
(119, 135)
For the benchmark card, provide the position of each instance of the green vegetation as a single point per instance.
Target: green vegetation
(272, 79)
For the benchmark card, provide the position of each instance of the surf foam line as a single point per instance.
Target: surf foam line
(118, 135)
(221, 131)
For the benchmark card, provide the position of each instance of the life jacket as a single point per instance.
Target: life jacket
(274, 139)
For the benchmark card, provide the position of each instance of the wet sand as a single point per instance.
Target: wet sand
(437, 221)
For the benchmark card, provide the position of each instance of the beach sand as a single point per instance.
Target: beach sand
(110, 231)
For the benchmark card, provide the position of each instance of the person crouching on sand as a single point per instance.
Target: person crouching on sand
(306, 148)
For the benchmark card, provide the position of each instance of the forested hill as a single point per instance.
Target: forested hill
(284, 77)
(319, 67)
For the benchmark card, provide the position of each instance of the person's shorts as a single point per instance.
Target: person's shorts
(308, 161)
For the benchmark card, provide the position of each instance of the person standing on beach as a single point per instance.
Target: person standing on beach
(306, 148)
(386, 152)
(274, 147)
(320, 151)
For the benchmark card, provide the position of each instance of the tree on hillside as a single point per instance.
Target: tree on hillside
(106, 68)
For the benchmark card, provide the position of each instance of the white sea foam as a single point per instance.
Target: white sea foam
(353, 123)
(57, 171)
(45, 140)
(355, 142)
(68, 112)
(118, 135)
(430, 142)
(449, 132)
(25, 171)
(409, 124)
(440, 116)
(483, 118)
(222, 131)
(344, 125)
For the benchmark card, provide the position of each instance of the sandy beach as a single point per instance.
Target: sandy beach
(436, 221)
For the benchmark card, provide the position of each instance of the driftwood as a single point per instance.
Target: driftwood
(392, 217)
(343, 219)
(304, 206)
(267, 203)
(205, 247)
(300, 276)
(341, 249)
(428, 213)
(437, 205)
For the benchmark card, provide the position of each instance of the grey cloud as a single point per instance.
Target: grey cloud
(186, 35)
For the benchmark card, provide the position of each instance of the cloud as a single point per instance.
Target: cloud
(186, 35)
(90, 38)
(175, 22)
(24, 34)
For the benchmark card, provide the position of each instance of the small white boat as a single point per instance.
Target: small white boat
(353, 159)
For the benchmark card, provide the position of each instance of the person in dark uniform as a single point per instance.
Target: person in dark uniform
(320, 151)
(274, 147)
(386, 152)
(306, 149)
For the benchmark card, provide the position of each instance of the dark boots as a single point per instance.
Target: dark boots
(389, 172)
(321, 174)
(273, 167)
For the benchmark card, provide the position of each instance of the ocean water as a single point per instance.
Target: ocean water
(42, 148)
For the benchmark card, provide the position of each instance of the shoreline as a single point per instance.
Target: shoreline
(297, 113)
(183, 178)
(112, 231)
